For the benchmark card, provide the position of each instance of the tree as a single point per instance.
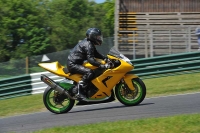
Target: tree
(25, 28)
(69, 19)
(4, 43)
(35, 27)
(103, 16)
(109, 7)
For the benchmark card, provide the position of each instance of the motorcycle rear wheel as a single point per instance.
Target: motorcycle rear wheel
(129, 97)
(57, 103)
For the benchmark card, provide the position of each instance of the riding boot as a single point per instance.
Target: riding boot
(79, 89)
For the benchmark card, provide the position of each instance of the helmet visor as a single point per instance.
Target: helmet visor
(100, 38)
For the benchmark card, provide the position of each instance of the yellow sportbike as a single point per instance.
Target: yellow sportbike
(108, 84)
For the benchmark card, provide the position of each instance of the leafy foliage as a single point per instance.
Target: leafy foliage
(24, 26)
(34, 27)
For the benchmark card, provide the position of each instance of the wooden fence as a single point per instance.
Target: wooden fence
(157, 33)
(159, 6)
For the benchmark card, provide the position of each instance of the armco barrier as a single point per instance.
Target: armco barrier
(167, 65)
(145, 68)
(16, 86)
(24, 85)
(168, 58)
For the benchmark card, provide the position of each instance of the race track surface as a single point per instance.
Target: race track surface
(150, 107)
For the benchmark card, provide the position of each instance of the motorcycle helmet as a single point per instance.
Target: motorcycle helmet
(94, 35)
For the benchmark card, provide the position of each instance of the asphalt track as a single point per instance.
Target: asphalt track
(150, 107)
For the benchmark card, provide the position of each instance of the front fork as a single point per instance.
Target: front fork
(127, 81)
(129, 89)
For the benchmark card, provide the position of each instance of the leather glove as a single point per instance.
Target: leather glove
(106, 66)
(106, 59)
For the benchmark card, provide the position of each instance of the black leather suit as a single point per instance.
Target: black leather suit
(84, 50)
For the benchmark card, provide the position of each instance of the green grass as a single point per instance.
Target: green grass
(21, 105)
(5, 76)
(180, 84)
(173, 124)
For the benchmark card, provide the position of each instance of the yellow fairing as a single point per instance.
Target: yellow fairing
(105, 82)
(128, 79)
(115, 75)
(54, 67)
(57, 68)
(123, 68)
(105, 87)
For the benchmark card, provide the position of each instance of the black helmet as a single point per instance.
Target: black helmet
(94, 35)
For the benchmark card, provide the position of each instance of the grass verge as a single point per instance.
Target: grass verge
(179, 84)
(173, 124)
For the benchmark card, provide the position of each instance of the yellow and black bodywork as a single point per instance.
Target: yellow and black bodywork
(105, 82)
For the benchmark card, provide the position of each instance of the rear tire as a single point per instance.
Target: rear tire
(129, 97)
(57, 103)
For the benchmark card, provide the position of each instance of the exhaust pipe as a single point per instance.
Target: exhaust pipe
(55, 86)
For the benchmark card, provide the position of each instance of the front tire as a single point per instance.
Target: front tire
(57, 103)
(129, 97)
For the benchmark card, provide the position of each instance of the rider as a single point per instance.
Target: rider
(85, 50)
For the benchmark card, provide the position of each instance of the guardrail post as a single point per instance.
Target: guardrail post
(27, 65)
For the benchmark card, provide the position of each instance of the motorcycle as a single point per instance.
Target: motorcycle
(108, 84)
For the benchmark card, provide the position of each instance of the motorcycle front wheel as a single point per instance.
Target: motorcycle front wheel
(131, 97)
(57, 103)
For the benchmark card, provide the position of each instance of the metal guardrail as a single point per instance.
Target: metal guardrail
(145, 68)
(16, 86)
(168, 65)
(24, 85)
